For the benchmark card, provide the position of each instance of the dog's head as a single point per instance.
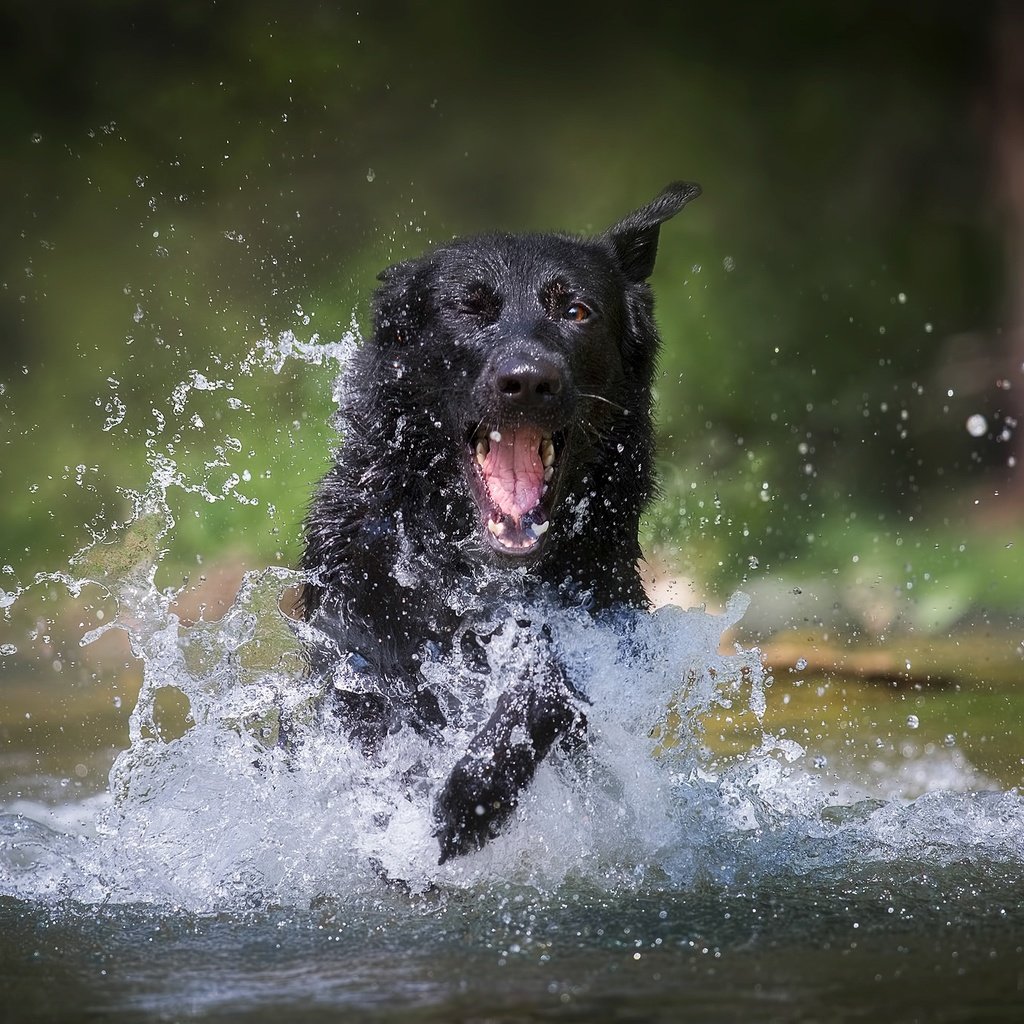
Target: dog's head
(520, 367)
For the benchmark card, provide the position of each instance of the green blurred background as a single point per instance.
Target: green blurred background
(183, 180)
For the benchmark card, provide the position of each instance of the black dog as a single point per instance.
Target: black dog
(497, 442)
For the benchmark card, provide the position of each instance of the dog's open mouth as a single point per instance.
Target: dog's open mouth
(512, 470)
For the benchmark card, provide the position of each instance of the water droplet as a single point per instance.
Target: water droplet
(977, 425)
(370, 174)
(913, 721)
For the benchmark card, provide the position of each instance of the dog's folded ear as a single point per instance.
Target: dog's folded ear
(400, 301)
(635, 237)
(397, 271)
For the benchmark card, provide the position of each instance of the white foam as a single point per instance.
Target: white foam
(218, 817)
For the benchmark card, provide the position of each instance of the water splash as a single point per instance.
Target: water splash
(206, 809)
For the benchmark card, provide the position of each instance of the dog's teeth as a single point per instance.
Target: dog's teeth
(481, 451)
(538, 529)
(496, 528)
(547, 452)
(549, 472)
(495, 436)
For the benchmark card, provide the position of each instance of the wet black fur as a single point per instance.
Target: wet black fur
(393, 527)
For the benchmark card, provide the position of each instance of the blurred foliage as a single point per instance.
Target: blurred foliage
(183, 180)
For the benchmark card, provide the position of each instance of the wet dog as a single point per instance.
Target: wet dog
(497, 453)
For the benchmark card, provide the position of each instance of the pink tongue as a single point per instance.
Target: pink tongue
(513, 471)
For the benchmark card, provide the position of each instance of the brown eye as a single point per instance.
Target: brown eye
(577, 312)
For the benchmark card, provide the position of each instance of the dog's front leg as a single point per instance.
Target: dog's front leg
(484, 787)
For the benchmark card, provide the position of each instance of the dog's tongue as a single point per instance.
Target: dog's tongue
(513, 471)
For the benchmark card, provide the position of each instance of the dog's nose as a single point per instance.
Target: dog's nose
(530, 381)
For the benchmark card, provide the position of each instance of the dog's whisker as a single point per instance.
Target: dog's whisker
(602, 398)
(594, 431)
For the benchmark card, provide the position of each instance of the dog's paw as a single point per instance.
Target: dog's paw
(478, 798)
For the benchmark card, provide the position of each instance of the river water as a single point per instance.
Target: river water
(700, 863)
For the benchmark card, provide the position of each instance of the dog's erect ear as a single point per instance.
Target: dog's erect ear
(635, 237)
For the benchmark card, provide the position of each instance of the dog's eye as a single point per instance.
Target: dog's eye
(480, 301)
(560, 302)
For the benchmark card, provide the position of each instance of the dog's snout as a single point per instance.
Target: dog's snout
(529, 381)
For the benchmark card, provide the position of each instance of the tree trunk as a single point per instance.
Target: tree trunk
(1009, 168)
